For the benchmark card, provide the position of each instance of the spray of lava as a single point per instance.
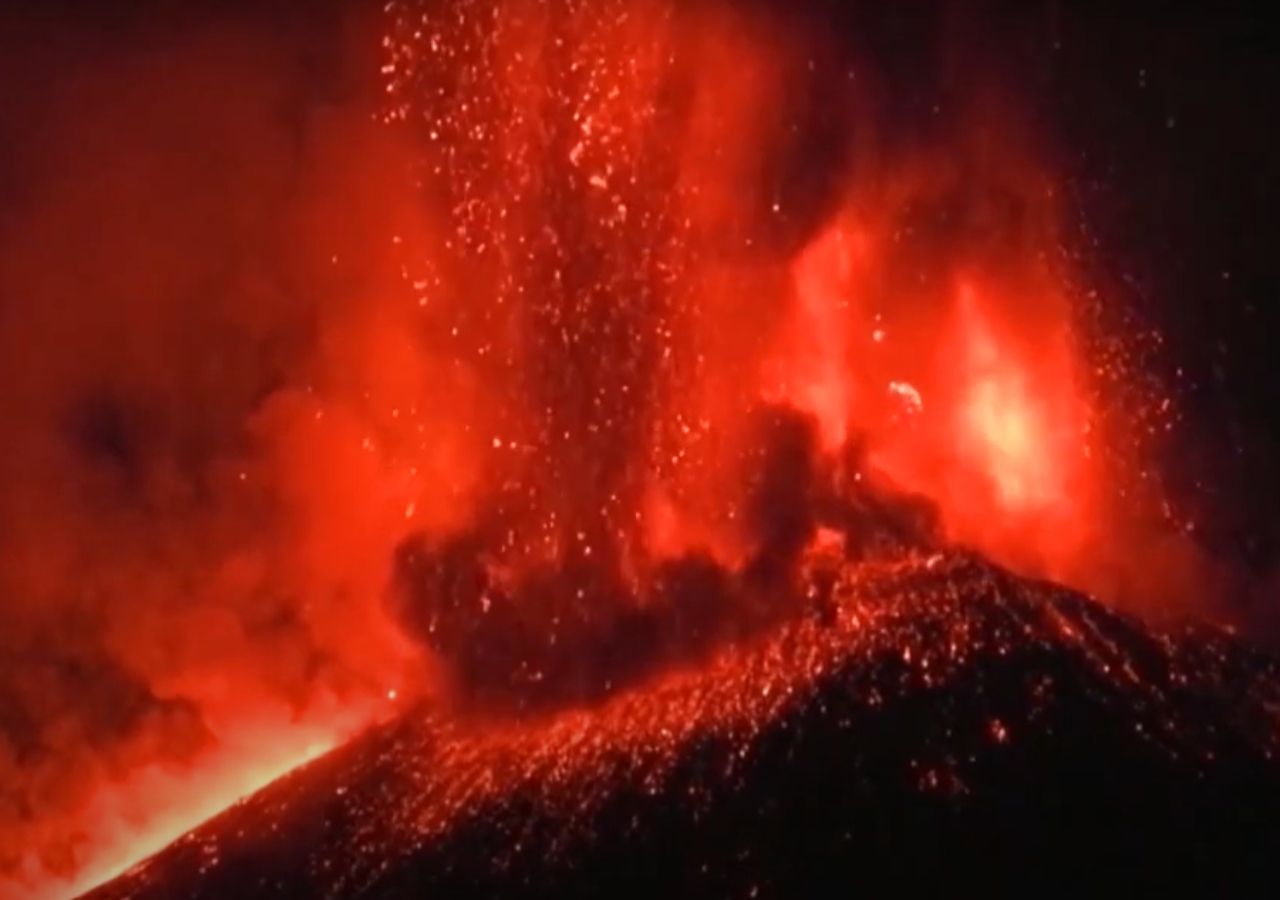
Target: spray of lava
(574, 409)
(707, 315)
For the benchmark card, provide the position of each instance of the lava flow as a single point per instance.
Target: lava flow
(658, 408)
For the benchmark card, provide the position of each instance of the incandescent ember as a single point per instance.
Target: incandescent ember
(939, 717)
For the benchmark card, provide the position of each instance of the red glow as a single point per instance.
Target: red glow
(155, 805)
(967, 389)
(1001, 440)
(555, 289)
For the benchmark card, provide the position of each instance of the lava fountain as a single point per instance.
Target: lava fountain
(703, 311)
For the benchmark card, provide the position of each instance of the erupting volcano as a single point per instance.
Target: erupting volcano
(673, 495)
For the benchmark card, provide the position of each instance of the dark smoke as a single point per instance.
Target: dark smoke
(578, 630)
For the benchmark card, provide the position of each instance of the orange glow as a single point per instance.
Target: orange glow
(967, 390)
(155, 806)
(1006, 425)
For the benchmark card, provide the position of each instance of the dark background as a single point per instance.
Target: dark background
(1159, 117)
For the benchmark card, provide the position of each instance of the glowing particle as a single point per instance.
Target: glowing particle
(907, 392)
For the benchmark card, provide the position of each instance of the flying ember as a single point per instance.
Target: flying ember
(643, 268)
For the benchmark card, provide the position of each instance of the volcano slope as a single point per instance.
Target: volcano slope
(934, 718)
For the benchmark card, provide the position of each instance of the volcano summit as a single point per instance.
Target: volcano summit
(938, 719)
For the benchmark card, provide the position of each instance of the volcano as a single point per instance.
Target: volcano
(604, 447)
(933, 717)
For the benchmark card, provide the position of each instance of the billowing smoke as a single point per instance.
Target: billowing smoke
(575, 630)
(196, 296)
